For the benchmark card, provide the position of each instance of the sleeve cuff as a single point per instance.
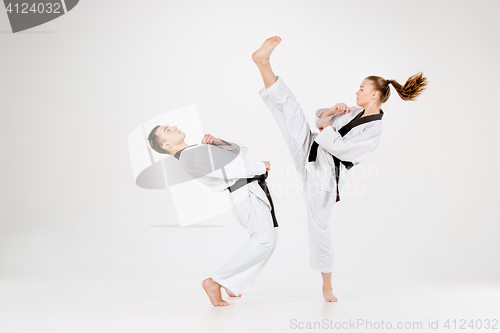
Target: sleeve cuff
(255, 168)
(326, 134)
(320, 111)
(320, 120)
(231, 146)
(265, 92)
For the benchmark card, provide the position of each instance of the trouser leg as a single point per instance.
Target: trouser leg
(291, 121)
(297, 134)
(319, 204)
(247, 263)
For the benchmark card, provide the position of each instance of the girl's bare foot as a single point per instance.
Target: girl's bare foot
(261, 59)
(327, 287)
(261, 56)
(212, 289)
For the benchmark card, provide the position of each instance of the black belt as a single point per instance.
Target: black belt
(261, 179)
(312, 158)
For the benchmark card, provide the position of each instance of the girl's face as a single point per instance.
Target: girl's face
(365, 95)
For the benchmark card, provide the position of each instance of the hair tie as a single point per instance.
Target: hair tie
(388, 81)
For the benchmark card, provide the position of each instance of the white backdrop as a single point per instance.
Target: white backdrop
(73, 89)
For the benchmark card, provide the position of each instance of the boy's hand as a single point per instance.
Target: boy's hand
(208, 139)
(268, 165)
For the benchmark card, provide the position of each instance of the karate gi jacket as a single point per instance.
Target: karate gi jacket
(220, 166)
(354, 147)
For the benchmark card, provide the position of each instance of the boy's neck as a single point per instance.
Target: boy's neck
(178, 147)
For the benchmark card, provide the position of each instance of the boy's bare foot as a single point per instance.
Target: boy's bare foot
(231, 295)
(328, 295)
(262, 55)
(212, 289)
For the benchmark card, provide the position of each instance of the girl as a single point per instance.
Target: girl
(347, 136)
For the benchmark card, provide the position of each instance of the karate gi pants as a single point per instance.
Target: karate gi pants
(244, 267)
(295, 129)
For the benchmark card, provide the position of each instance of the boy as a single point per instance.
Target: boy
(222, 165)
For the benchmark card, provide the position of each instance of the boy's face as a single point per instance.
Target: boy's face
(170, 136)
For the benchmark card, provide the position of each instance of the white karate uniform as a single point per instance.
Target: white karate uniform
(319, 183)
(249, 203)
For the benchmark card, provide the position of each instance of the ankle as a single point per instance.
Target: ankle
(215, 284)
(263, 63)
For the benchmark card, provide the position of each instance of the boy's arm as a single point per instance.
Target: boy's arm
(239, 167)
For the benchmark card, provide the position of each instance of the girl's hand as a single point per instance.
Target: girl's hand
(323, 125)
(337, 108)
(340, 108)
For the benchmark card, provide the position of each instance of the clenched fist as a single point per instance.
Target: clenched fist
(209, 139)
(337, 108)
(323, 124)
